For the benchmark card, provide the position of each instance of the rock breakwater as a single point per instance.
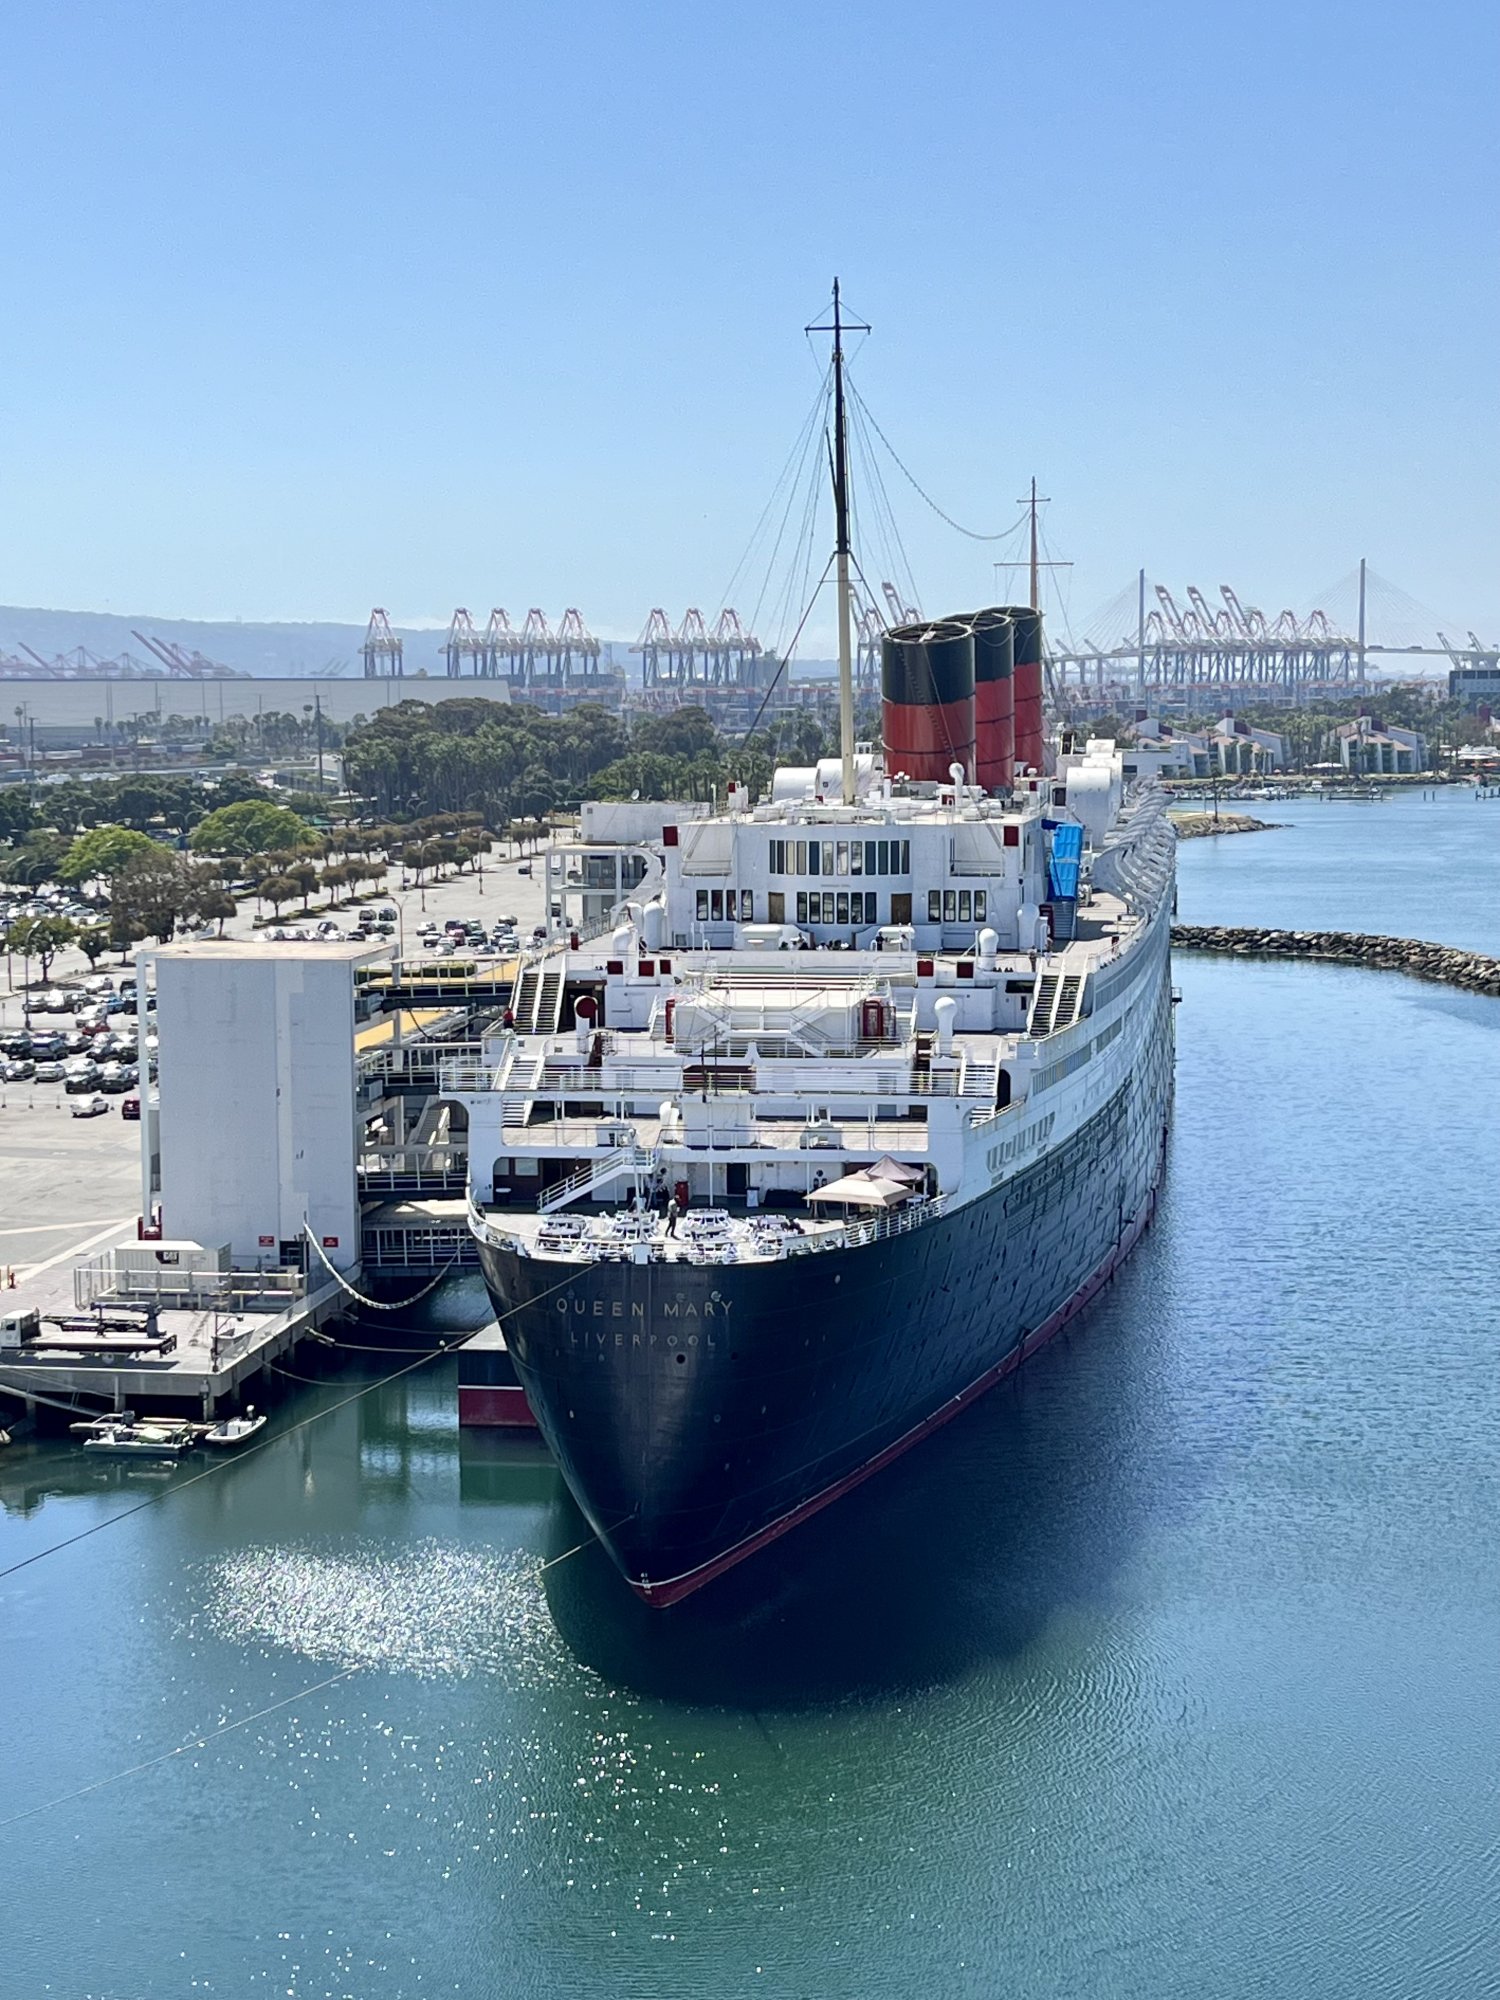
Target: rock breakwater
(1198, 825)
(1470, 970)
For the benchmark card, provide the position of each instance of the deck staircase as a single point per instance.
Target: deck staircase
(523, 1075)
(596, 1174)
(537, 1000)
(1055, 1005)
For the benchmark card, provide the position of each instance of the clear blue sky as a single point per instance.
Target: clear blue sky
(306, 307)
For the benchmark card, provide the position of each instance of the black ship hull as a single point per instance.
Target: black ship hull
(697, 1411)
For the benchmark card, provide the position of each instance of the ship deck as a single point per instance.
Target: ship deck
(738, 1235)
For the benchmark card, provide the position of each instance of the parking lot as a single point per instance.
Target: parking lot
(70, 1186)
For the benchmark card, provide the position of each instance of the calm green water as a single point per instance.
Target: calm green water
(1175, 1670)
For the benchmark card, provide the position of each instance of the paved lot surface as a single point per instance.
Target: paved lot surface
(68, 1187)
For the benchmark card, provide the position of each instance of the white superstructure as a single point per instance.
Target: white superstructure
(803, 990)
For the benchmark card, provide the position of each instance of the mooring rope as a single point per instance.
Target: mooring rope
(377, 1305)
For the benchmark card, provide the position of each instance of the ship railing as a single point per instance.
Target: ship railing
(869, 1228)
(416, 1060)
(779, 1077)
(456, 1079)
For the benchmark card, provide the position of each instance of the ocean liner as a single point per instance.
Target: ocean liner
(861, 1094)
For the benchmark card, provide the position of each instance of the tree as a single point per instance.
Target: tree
(93, 942)
(278, 889)
(155, 891)
(215, 905)
(305, 875)
(234, 788)
(172, 803)
(41, 938)
(102, 853)
(253, 826)
(16, 817)
(37, 859)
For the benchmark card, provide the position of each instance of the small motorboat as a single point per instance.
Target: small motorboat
(142, 1440)
(234, 1430)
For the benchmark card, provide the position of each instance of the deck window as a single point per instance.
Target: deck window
(882, 857)
(934, 906)
(718, 906)
(747, 905)
(963, 906)
(950, 906)
(827, 857)
(979, 906)
(703, 906)
(841, 915)
(802, 916)
(841, 857)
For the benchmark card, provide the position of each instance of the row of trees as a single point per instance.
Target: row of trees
(509, 761)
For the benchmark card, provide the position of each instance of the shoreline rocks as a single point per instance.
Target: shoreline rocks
(1198, 825)
(1471, 971)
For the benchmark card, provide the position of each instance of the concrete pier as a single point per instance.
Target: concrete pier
(215, 1356)
(1471, 971)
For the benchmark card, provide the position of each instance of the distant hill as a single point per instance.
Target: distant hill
(270, 651)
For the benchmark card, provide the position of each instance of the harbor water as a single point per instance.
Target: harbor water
(1172, 1669)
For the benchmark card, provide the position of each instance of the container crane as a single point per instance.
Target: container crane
(382, 652)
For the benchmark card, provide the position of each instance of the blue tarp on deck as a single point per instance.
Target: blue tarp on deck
(1062, 868)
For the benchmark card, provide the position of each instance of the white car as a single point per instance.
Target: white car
(49, 1072)
(91, 1107)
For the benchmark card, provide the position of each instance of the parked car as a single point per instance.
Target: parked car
(119, 1003)
(18, 1044)
(80, 1078)
(130, 1107)
(47, 1044)
(49, 1072)
(90, 1107)
(115, 1077)
(20, 1069)
(523, 867)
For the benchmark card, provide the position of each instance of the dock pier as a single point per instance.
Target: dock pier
(209, 1355)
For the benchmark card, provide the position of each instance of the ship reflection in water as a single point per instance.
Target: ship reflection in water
(958, 1555)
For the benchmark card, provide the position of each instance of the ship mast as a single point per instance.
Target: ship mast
(841, 544)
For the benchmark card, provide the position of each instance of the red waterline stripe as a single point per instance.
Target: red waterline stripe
(678, 1587)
